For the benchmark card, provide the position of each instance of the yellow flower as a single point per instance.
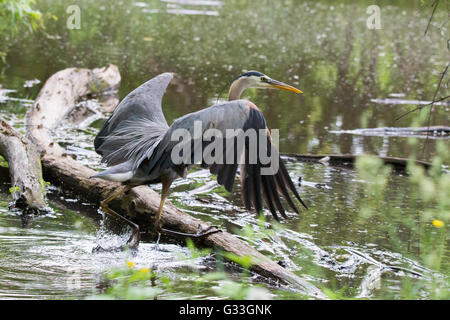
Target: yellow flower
(130, 263)
(438, 223)
(145, 270)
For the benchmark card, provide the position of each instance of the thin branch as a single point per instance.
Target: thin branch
(421, 107)
(434, 5)
(434, 97)
(432, 103)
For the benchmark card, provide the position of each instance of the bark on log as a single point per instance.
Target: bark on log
(57, 98)
(24, 164)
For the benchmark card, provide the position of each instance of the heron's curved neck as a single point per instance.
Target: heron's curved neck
(236, 89)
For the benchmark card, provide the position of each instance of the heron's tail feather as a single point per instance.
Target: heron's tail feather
(119, 173)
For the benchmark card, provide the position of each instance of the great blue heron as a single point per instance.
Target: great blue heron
(136, 143)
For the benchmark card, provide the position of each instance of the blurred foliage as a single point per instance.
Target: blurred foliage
(433, 188)
(20, 12)
(429, 196)
(16, 16)
(130, 283)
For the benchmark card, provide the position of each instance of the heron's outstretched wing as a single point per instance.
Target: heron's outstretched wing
(136, 125)
(234, 115)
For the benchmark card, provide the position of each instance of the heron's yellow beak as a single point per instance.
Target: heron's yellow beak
(280, 85)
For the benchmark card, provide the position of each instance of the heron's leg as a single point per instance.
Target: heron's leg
(164, 192)
(201, 233)
(133, 241)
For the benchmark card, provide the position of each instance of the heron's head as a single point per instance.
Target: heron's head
(256, 79)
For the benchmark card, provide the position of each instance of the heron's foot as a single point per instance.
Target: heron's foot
(135, 238)
(199, 235)
(206, 232)
(157, 247)
(99, 249)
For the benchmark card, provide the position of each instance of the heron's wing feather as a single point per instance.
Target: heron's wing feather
(234, 115)
(136, 125)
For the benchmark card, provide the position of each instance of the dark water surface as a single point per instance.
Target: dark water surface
(322, 47)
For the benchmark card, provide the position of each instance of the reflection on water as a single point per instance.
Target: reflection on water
(347, 73)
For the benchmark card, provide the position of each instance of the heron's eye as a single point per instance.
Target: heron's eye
(263, 79)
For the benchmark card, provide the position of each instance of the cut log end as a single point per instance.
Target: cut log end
(27, 188)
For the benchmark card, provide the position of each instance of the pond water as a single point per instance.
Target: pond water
(350, 77)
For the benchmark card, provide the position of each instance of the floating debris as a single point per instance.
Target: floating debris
(4, 97)
(193, 12)
(4, 94)
(196, 2)
(140, 4)
(397, 95)
(176, 7)
(31, 83)
(405, 101)
(421, 132)
(324, 160)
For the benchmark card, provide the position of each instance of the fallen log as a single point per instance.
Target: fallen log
(57, 98)
(27, 185)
